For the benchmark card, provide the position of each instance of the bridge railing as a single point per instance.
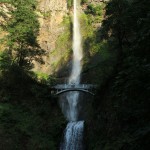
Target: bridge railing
(74, 86)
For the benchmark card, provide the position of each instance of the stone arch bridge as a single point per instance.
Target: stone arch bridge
(63, 88)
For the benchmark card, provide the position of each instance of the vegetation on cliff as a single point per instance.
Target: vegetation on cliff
(22, 28)
(29, 116)
(121, 117)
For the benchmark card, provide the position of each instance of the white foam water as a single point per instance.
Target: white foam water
(69, 101)
(73, 135)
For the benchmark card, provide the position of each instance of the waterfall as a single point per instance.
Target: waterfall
(73, 138)
(77, 49)
(73, 134)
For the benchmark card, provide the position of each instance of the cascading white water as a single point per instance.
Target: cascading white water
(69, 102)
(73, 139)
(77, 48)
(74, 131)
(74, 78)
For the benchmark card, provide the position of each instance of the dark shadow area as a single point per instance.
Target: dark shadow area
(29, 115)
(30, 118)
(118, 116)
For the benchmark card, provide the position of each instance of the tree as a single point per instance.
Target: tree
(122, 103)
(139, 27)
(23, 29)
(113, 25)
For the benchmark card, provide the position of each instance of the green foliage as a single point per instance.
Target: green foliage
(29, 3)
(23, 28)
(95, 9)
(69, 3)
(84, 1)
(28, 114)
(29, 117)
(86, 25)
(44, 78)
(63, 44)
(98, 60)
(5, 60)
(35, 128)
(46, 14)
(121, 117)
(100, 63)
(114, 24)
(41, 75)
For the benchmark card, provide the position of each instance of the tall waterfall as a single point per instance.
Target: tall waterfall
(73, 134)
(77, 48)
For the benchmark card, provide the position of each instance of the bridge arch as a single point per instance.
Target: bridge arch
(63, 88)
(69, 90)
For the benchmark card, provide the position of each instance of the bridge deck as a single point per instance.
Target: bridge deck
(74, 86)
(62, 88)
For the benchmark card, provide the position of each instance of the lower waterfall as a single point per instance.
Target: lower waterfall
(73, 134)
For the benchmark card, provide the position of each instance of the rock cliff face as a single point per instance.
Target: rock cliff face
(51, 14)
(4, 17)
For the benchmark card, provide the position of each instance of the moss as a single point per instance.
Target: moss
(69, 3)
(63, 50)
(46, 14)
(84, 1)
(98, 60)
(95, 9)
(41, 75)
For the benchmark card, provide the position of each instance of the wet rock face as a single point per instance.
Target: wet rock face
(5, 12)
(4, 17)
(51, 14)
(53, 5)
